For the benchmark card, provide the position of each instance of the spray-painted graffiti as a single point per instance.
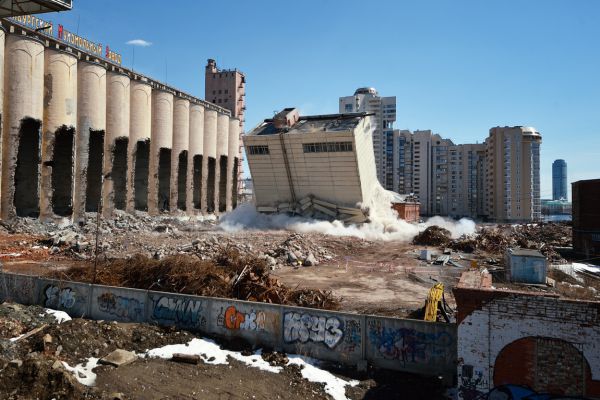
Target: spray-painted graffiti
(470, 382)
(124, 307)
(184, 312)
(517, 392)
(352, 335)
(59, 297)
(409, 345)
(305, 327)
(232, 319)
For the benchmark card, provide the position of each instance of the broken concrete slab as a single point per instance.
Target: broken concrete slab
(118, 358)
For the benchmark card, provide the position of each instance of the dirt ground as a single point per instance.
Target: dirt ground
(31, 368)
(369, 276)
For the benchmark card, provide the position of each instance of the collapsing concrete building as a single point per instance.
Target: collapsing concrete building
(320, 166)
(81, 133)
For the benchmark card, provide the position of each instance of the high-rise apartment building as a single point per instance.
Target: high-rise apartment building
(513, 174)
(559, 180)
(368, 100)
(445, 177)
(227, 88)
(497, 180)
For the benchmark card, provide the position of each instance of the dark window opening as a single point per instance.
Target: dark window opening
(197, 180)
(62, 172)
(164, 178)
(140, 177)
(119, 172)
(234, 185)
(26, 199)
(93, 189)
(210, 185)
(182, 180)
(223, 184)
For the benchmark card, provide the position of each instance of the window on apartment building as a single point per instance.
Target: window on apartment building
(258, 150)
(348, 108)
(225, 101)
(226, 91)
(214, 100)
(214, 92)
(334, 147)
(219, 91)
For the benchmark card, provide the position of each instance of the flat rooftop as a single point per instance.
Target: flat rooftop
(307, 124)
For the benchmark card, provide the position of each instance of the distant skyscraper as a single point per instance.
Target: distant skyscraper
(559, 180)
(384, 108)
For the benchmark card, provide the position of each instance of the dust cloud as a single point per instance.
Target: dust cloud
(384, 225)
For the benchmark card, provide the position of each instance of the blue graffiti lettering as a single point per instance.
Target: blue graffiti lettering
(182, 311)
(124, 307)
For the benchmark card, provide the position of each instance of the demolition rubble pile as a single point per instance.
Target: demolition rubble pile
(296, 249)
(433, 236)
(158, 237)
(228, 275)
(494, 241)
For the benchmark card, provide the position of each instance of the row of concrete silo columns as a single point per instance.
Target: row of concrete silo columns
(78, 137)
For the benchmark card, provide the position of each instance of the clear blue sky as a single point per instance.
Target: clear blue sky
(457, 67)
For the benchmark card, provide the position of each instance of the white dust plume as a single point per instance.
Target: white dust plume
(384, 224)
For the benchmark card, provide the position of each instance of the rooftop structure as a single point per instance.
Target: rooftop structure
(13, 8)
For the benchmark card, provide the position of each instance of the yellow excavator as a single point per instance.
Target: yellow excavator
(436, 302)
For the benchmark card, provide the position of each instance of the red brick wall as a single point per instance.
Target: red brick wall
(521, 338)
(407, 211)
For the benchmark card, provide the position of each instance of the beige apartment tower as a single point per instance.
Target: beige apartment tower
(513, 174)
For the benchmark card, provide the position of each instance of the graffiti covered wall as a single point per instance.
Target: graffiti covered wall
(118, 304)
(411, 345)
(70, 297)
(350, 339)
(188, 312)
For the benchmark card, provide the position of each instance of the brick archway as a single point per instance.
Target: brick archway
(546, 365)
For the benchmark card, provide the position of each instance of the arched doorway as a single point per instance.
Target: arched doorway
(544, 364)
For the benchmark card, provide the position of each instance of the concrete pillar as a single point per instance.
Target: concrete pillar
(22, 123)
(210, 152)
(58, 139)
(233, 148)
(140, 132)
(221, 167)
(2, 43)
(195, 152)
(114, 188)
(179, 156)
(160, 148)
(89, 139)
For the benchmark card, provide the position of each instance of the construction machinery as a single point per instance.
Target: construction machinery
(436, 302)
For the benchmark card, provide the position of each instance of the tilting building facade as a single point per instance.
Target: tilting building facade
(316, 164)
(81, 133)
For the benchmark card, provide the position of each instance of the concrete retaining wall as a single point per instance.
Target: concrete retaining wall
(351, 339)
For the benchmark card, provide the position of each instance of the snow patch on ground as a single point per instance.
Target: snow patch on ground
(211, 353)
(60, 316)
(208, 349)
(586, 268)
(334, 386)
(83, 372)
